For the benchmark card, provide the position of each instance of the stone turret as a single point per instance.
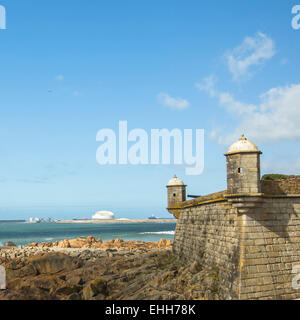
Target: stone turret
(176, 195)
(243, 168)
(242, 234)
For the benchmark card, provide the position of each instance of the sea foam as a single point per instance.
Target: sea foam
(159, 232)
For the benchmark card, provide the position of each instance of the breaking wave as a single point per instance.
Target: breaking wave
(159, 232)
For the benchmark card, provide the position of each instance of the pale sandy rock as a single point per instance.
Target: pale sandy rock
(64, 244)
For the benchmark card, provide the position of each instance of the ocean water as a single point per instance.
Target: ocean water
(24, 233)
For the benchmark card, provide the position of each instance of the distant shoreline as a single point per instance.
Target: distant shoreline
(119, 221)
(12, 221)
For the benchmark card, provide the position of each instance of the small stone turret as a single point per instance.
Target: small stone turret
(176, 195)
(243, 168)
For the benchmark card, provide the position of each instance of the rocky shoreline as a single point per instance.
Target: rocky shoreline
(89, 269)
(92, 242)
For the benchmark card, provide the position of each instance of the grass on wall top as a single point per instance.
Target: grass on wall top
(275, 177)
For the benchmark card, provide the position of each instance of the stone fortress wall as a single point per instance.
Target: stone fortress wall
(248, 235)
(206, 233)
(271, 248)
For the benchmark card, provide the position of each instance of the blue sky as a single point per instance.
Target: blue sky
(71, 68)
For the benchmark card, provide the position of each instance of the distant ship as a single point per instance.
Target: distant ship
(153, 217)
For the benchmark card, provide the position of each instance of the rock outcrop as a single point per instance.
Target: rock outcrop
(92, 242)
(118, 271)
(9, 244)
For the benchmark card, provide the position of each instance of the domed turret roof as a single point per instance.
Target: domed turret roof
(242, 146)
(175, 182)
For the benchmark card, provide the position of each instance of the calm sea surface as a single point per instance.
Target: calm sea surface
(24, 233)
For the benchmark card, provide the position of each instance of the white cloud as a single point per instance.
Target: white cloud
(253, 51)
(208, 85)
(275, 118)
(59, 77)
(173, 103)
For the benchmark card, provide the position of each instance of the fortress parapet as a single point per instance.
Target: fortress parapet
(248, 236)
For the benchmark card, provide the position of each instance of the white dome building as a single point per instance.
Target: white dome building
(103, 215)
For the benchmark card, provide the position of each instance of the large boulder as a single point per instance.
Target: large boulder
(97, 287)
(45, 245)
(91, 240)
(25, 271)
(97, 244)
(78, 243)
(67, 290)
(82, 242)
(53, 263)
(118, 242)
(63, 244)
(75, 280)
(9, 244)
(74, 296)
(33, 244)
(164, 243)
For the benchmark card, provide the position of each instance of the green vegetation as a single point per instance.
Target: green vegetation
(274, 177)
